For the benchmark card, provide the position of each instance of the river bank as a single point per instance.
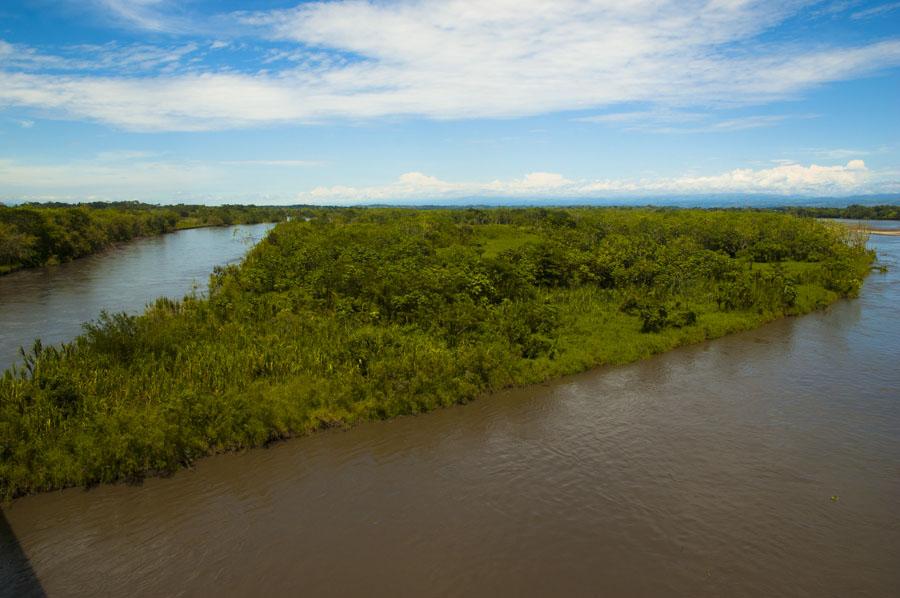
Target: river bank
(118, 246)
(887, 228)
(53, 303)
(37, 235)
(704, 471)
(880, 231)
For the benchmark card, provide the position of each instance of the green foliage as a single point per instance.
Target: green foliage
(853, 212)
(358, 314)
(40, 234)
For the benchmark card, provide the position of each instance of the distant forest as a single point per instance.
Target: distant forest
(35, 234)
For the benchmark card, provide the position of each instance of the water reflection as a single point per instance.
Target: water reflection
(52, 303)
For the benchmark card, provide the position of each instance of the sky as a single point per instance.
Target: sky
(447, 101)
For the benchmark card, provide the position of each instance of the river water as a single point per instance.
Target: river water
(52, 303)
(765, 463)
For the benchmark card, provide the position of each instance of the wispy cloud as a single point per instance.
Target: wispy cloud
(647, 120)
(746, 122)
(672, 121)
(164, 17)
(876, 11)
(361, 59)
(152, 176)
(280, 163)
(151, 15)
(112, 57)
(834, 8)
(837, 153)
(126, 156)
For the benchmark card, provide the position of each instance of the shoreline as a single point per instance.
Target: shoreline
(860, 226)
(885, 232)
(685, 341)
(119, 244)
(497, 393)
(234, 396)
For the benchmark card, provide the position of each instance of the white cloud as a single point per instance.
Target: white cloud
(452, 59)
(747, 122)
(171, 17)
(284, 163)
(153, 176)
(784, 179)
(645, 118)
(143, 14)
(679, 121)
(876, 11)
(123, 59)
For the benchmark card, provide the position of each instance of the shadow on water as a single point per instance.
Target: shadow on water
(17, 578)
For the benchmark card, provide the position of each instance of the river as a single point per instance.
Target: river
(52, 303)
(766, 463)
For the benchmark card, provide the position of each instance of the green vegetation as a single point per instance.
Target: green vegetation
(853, 212)
(42, 234)
(365, 314)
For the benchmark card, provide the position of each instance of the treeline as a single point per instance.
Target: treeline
(41, 234)
(853, 212)
(361, 314)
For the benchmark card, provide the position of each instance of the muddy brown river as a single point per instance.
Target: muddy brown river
(766, 463)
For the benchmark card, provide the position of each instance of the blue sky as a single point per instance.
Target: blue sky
(355, 101)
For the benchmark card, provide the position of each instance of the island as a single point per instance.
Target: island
(349, 315)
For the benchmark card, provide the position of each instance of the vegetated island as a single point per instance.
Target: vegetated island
(33, 234)
(362, 314)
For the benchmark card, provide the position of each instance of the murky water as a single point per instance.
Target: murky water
(762, 464)
(52, 303)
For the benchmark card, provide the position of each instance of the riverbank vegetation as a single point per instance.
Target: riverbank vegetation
(852, 212)
(366, 314)
(41, 234)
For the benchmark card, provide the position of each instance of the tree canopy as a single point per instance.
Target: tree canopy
(359, 314)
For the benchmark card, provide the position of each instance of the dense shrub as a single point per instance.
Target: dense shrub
(361, 314)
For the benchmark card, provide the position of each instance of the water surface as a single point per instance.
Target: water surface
(766, 463)
(52, 303)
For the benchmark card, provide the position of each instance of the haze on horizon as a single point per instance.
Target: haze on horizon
(415, 101)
